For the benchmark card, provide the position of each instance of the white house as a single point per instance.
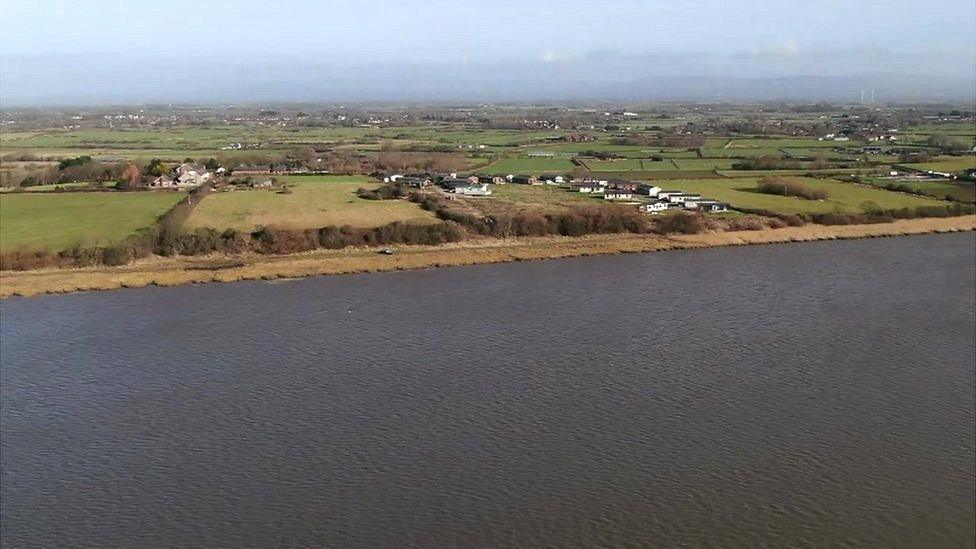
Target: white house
(681, 198)
(649, 190)
(713, 206)
(588, 188)
(666, 195)
(654, 207)
(190, 175)
(465, 187)
(618, 194)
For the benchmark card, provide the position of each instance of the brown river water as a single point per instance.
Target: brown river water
(817, 395)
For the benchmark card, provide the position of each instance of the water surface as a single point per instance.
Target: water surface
(818, 394)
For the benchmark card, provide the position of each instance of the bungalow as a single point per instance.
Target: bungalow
(465, 187)
(618, 194)
(649, 190)
(588, 188)
(525, 180)
(552, 179)
(492, 179)
(713, 206)
(665, 195)
(600, 182)
(623, 184)
(681, 198)
(654, 207)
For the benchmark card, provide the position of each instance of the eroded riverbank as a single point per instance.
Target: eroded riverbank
(186, 270)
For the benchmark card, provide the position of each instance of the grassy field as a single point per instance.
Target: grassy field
(314, 202)
(844, 197)
(530, 165)
(55, 221)
(939, 189)
(949, 164)
(515, 198)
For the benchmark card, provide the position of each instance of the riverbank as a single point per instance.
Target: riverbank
(172, 271)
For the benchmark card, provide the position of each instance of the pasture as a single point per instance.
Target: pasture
(314, 202)
(843, 197)
(950, 164)
(56, 221)
(529, 165)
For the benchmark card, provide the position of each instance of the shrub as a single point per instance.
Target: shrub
(785, 186)
(682, 223)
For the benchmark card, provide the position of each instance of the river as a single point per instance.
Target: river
(815, 395)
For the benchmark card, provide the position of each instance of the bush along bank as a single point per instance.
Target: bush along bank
(166, 239)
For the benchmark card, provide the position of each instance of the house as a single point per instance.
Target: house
(623, 185)
(618, 194)
(492, 179)
(190, 175)
(649, 190)
(588, 188)
(666, 195)
(601, 182)
(681, 198)
(162, 182)
(713, 206)
(654, 207)
(525, 180)
(466, 187)
(415, 182)
(551, 179)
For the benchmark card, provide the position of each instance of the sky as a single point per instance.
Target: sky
(103, 51)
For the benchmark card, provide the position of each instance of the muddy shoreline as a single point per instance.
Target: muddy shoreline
(173, 271)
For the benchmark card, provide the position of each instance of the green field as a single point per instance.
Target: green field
(55, 221)
(963, 191)
(314, 202)
(530, 165)
(704, 164)
(950, 164)
(844, 197)
(622, 164)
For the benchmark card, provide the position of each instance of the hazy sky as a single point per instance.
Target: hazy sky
(102, 50)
